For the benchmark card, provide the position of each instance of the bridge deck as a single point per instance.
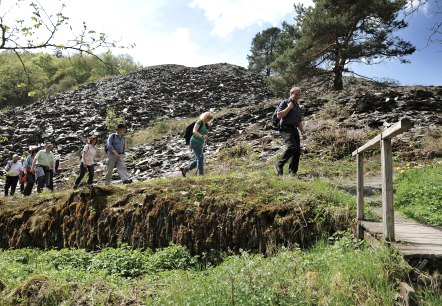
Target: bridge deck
(413, 240)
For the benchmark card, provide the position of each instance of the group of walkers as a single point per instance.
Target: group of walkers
(41, 165)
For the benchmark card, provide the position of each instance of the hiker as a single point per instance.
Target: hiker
(44, 167)
(29, 174)
(22, 177)
(13, 170)
(289, 113)
(115, 149)
(199, 138)
(87, 161)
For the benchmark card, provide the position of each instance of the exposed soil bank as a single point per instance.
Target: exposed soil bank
(143, 218)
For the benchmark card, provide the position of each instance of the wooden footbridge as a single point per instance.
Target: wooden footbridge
(415, 242)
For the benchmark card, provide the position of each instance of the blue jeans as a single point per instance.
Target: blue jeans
(197, 149)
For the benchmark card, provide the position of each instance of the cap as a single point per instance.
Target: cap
(15, 156)
(121, 126)
(48, 144)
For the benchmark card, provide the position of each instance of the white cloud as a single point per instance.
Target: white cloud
(230, 15)
(177, 48)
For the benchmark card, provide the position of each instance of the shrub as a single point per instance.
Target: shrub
(75, 258)
(171, 258)
(123, 261)
(238, 151)
(112, 120)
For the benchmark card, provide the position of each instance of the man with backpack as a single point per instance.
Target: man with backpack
(115, 150)
(290, 117)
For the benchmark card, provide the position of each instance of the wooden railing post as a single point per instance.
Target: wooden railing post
(360, 186)
(387, 174)
(387, 189)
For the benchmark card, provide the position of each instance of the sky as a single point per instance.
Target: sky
(200, 32)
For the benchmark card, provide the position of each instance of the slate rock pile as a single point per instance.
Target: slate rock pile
(165, 91)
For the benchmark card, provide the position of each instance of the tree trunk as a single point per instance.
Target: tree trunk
(337, 82)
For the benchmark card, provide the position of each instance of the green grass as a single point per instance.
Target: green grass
(337, 271)
(419, 194)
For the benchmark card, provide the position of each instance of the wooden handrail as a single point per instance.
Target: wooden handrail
(394, 130)
(384, 139)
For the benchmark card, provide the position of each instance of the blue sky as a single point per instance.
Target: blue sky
(198, 32)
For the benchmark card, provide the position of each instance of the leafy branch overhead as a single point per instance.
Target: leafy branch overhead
(40, 29)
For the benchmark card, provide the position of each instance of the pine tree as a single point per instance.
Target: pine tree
(263, 50)
(335, 33)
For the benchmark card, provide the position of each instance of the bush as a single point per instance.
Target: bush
(171, 258)
(124, 261)
(112, 120)
(79, 259)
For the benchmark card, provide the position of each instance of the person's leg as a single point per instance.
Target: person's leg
(29, 184)
(111, 161)
(14, 181)
(49, 179)
(199, 156)
(294, 161)
(7, 185)
(289, 140)
(90, 170)
(81, 175)
(22, 184)
(40, 183)
(121, 169)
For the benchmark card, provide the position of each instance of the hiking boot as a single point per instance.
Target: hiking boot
(127, 181)
(278, 170)
(184, 171)
(293, 174)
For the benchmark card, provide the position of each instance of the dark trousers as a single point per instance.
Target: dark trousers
(292, 153)
(11, 182)
(46, 180)
(30, 180)
(90, 170)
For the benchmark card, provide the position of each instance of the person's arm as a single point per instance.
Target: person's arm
(301, 128)
(85, 150)
(110, 147)
(34, 161)
(281, 114)
(53, 163)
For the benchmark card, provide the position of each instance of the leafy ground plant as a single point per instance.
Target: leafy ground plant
(419, 194)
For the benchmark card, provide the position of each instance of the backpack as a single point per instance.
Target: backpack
(188, 132)
(8, 165)
(275, 121)
(105, 146)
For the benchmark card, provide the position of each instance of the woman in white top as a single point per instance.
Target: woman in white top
(87, 161)
(13, 170)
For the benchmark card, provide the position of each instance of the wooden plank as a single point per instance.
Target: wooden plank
(368, 145)
(413, 240)
(360, 187)
(396, 129)
(387, 190)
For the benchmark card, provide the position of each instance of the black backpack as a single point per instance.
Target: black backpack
(188, 132)
(112, 140)
(276, 122)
